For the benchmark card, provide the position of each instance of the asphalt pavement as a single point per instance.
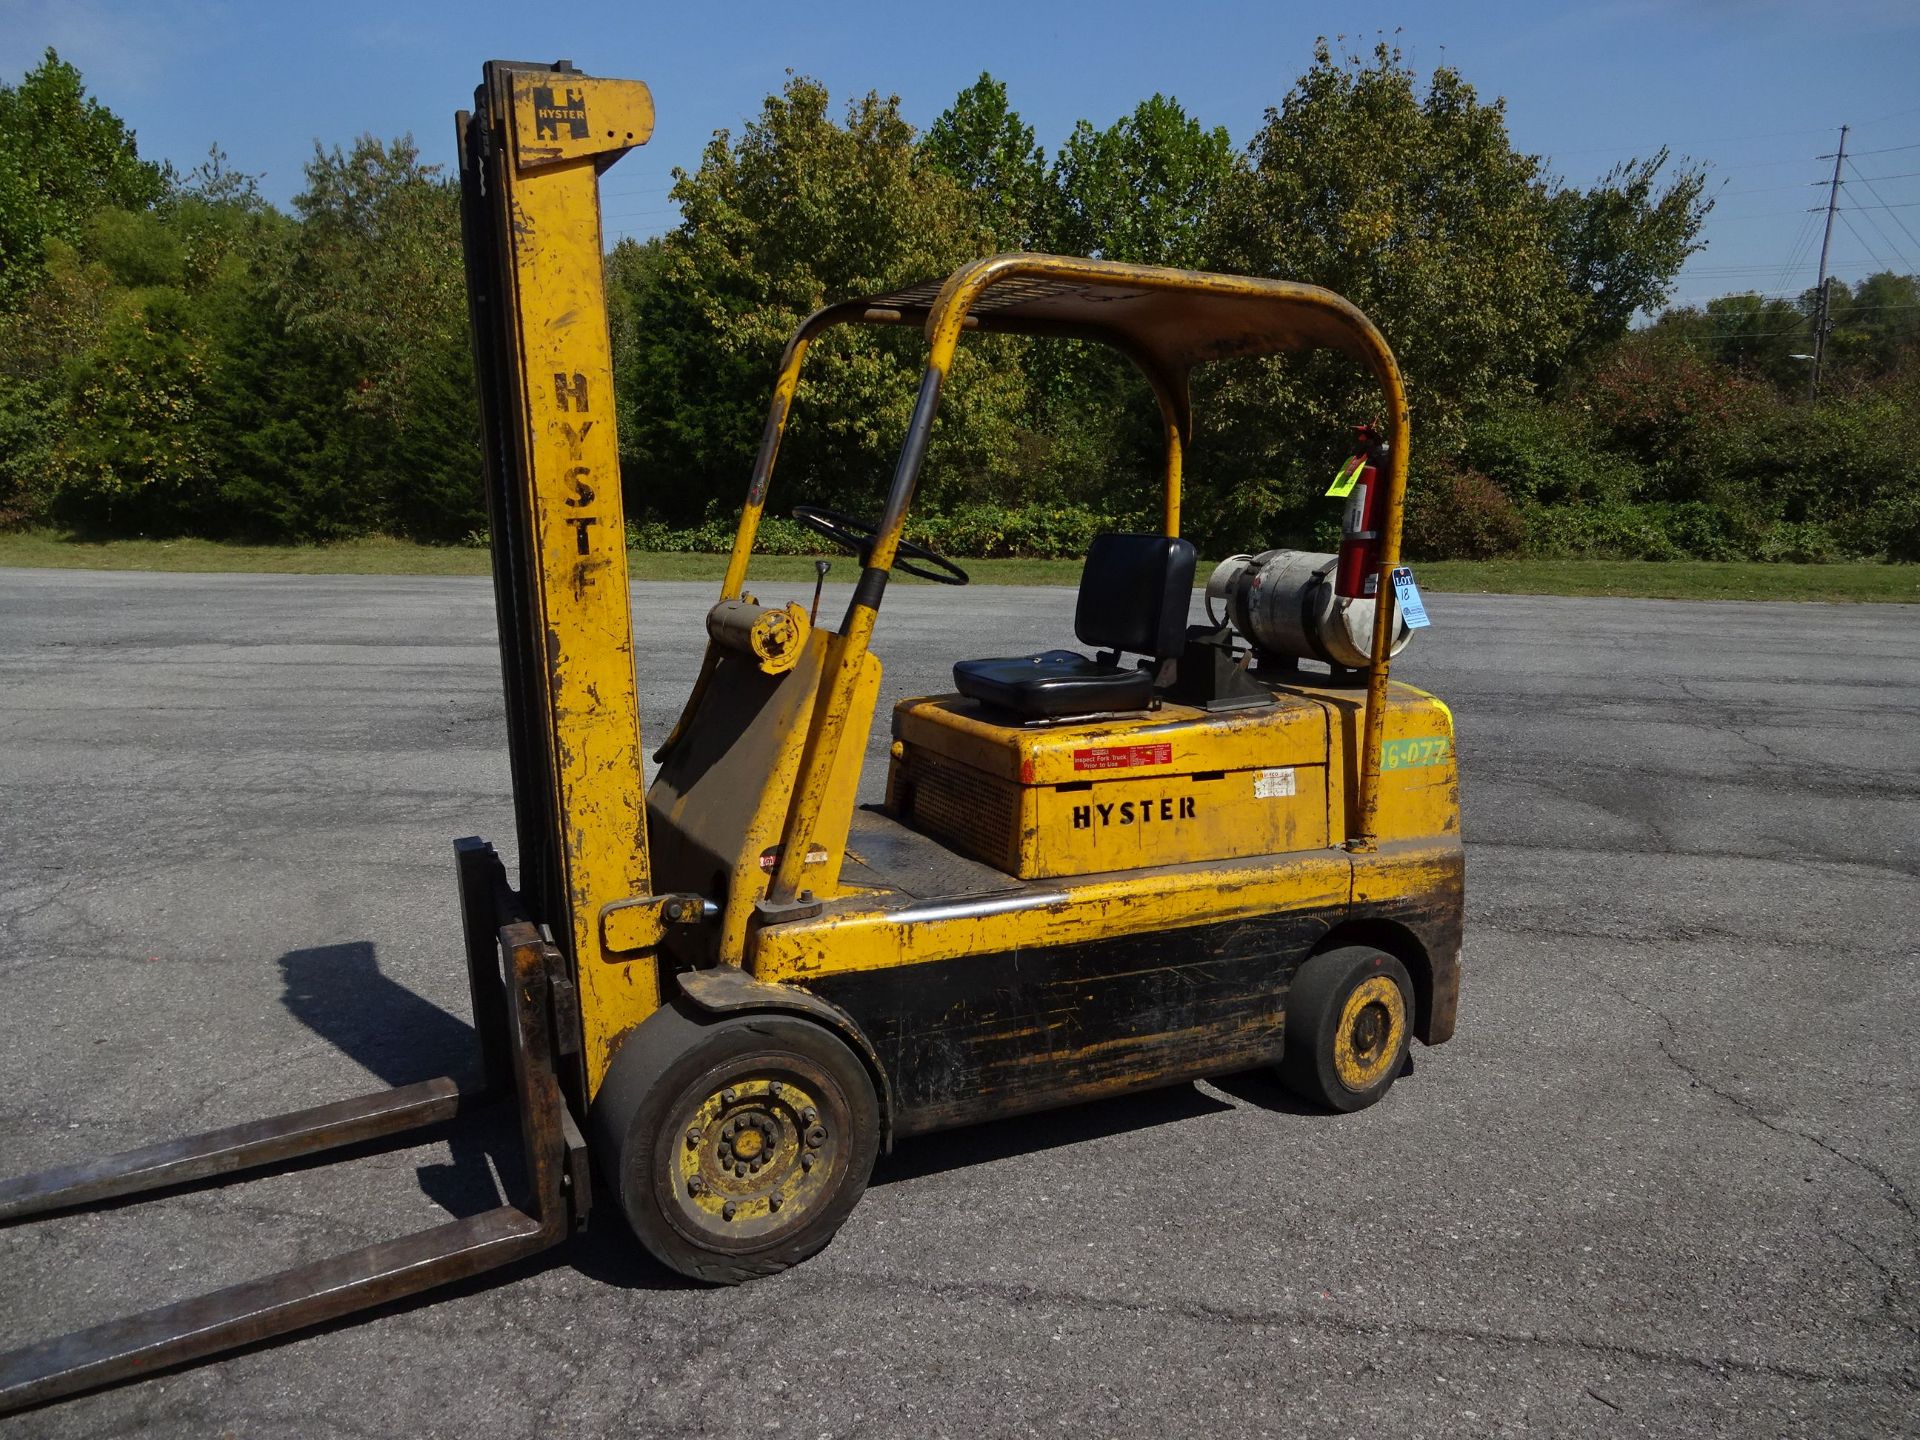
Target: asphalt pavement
(1662, 1182)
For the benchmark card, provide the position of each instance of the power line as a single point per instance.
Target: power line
(1890, 115)
(1848, 222)
(1892, 245)
(1878, 196)
(1886, 150)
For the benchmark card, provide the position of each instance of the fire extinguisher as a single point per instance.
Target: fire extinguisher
(1357, 573)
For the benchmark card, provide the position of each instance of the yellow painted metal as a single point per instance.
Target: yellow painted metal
(774, 639)
(560, 117)
(1362, 1053)
(1170, 484)
(859, 934)
(1208, 316)
(721, 802)
(1418, 795)
(1176, 783)
(756, 1123)
(569, 463)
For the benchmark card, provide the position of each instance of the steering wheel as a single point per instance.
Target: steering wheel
(857, 537)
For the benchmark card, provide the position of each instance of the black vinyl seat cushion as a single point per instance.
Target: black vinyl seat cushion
(1053, 683)
(1134, 596)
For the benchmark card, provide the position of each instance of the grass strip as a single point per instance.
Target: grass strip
(1668, 580)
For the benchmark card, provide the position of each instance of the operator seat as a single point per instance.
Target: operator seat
(1134, 597)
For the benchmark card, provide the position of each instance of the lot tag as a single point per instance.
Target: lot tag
(1349, 473)
(1272, 784)
(1411, 610)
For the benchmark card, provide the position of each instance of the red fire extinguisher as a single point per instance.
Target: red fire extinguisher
(1357, 573)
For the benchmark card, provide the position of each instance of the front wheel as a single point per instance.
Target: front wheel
(738, 1146)
(1347, 1027)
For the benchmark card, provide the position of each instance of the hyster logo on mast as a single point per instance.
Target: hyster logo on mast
(549, 115)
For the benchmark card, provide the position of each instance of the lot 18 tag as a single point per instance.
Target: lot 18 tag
(1411, 610)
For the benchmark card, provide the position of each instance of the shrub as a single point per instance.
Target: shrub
(1547, 455)
(987, 531)
(1459, 514)
(1600, 532)
(972, 531)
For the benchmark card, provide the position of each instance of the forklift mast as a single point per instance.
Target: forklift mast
(531, 153)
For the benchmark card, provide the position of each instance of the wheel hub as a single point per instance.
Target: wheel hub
(758, 1151)
(1372, 1030)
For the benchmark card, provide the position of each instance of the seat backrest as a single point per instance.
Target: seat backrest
(1135, 594)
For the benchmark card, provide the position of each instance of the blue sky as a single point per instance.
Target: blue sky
(1758, 88)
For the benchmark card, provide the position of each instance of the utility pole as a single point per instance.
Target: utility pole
(1820, 302)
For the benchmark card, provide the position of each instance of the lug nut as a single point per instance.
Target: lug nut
(726, 1211)
(774, 1202)
(727, 1096)
(693, 1138)
(816, 1137)
(694, 1186)
(776, 1088)
(809, 1115)
(806, 1161)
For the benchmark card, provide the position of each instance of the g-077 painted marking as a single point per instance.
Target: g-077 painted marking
(1413, 753)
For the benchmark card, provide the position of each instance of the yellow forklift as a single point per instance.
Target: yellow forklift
(1183, 855)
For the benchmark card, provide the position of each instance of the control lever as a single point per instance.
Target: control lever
(820, 568)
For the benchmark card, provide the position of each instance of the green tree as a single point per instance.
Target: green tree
(1410, 200)
(63, 156)
(797, 211)
(371, 292)
(1875, 325)
(1753, 334)
(1621, 242)
(984, 145)
(1141, 189)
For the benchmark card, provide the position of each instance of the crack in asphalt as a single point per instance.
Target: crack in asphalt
(1209, 1314)
(1890, 1286)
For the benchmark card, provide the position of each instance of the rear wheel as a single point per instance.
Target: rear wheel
(1347, 1027)
(737, 1146)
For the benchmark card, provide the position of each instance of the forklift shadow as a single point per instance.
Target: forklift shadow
(936, 1154)
(339, 993)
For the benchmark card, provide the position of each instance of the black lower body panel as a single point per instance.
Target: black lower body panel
(983, 1036)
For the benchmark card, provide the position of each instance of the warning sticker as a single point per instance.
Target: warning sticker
(1122, 757)
(770, 857)
(1271, 784)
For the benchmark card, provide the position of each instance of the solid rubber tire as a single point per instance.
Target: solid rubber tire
(668, 1052)
(1314, 1003)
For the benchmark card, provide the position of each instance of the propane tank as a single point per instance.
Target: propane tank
(1309, 606)
(1285, 603)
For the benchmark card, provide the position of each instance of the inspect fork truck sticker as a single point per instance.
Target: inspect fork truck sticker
(1122, 757)
(1414, 753)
